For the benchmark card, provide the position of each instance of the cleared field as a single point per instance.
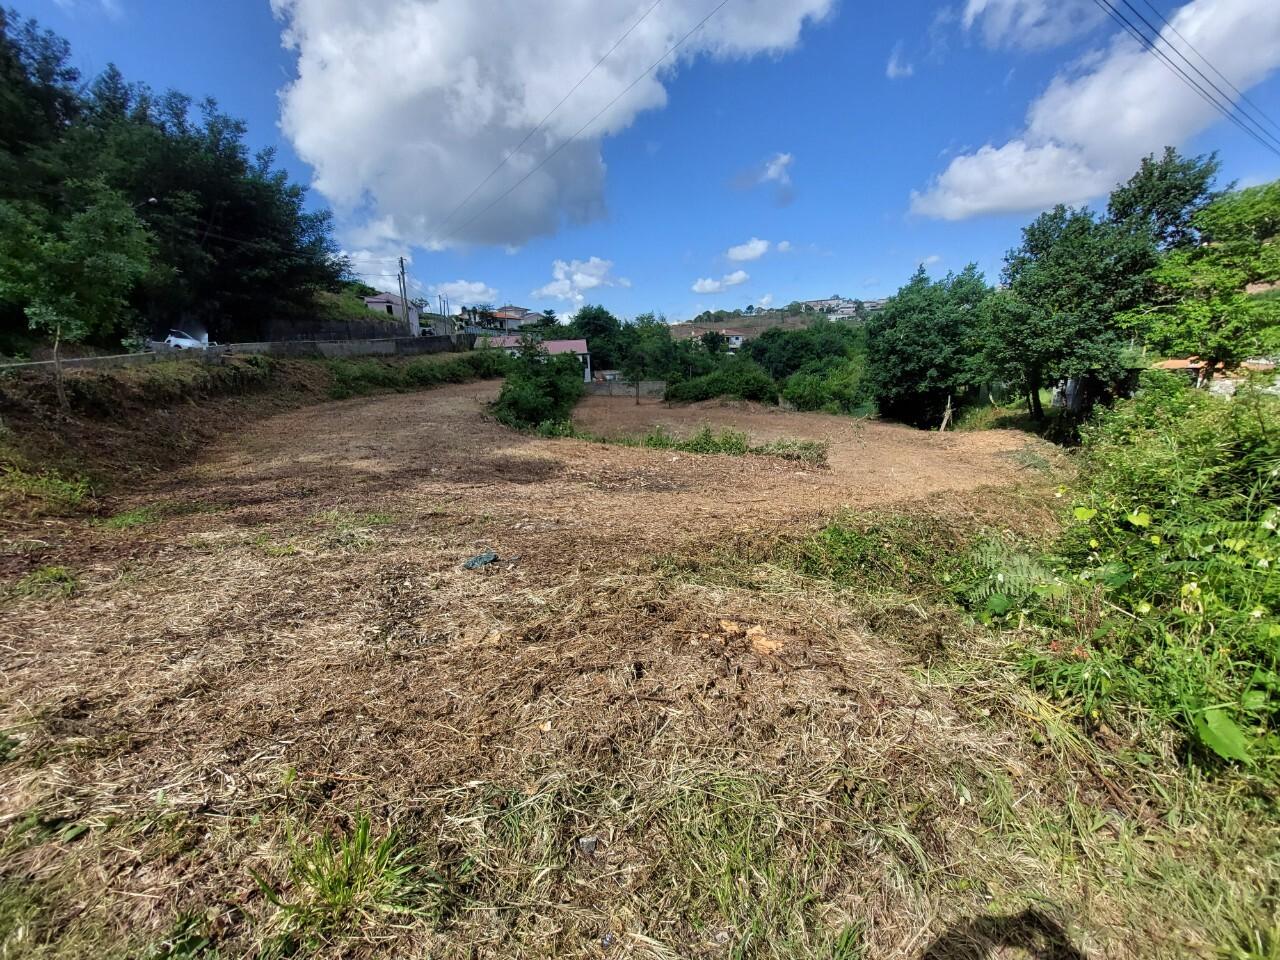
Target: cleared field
(630, 733)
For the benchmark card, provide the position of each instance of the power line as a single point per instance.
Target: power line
(528, 136)
(1221, 76)
(653, 66)
(1146, 43)
(1222, 93)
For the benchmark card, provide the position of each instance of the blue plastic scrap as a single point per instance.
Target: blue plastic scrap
(480, 560)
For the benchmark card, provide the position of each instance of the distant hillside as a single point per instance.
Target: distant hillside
(751, 326)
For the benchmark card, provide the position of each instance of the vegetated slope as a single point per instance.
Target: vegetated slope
(135, 422)
(663, 720)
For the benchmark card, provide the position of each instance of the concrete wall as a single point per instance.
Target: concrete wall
(622, 388)
(375, 327)
(398, 347)
(212, 355)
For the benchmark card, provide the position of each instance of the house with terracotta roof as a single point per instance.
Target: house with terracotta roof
(1220, 378)
(555, 348)
(512, 317)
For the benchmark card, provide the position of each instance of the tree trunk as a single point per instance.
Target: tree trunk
(59, 385)
(637, 382)
(1033, 396)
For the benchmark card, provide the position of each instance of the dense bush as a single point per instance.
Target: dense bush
(353, 377)
(839, 387)
(539, 389)
(1166, 578)
(785, 352)
(738, 378)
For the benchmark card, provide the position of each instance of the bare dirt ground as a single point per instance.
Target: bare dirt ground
(589, 749)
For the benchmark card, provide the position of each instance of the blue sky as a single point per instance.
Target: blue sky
(1058, 104)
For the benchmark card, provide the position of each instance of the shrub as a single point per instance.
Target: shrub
(833, 387)
(539, 389)
(356, 377)
(738, 378)
(1166, 574)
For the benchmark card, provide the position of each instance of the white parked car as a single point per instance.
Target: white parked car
(184, 341)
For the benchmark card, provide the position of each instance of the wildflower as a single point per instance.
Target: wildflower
(1144, 608)
(1257, 613)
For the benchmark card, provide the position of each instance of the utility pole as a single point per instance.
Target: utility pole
(404, 296)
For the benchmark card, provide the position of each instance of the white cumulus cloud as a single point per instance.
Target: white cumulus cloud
(711, 285)
(765, 302)
(1031, 24)
(777, 169)
(753, 249)
(571, 279)
(783, 246)
(402, 106)
(1097, 119)
(466, 292)
(897, 68)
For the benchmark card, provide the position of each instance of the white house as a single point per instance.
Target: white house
(516, 318)
(554, 347)
(391, 305)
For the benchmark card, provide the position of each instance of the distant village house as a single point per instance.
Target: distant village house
(555, 348)
(395, 308)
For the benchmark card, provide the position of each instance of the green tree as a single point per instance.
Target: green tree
(602, 331)
(1202, 305)
(73, 277)
(234, 245)
(1068, 280)
(714, 341)
(919, 346)
(1165, 195)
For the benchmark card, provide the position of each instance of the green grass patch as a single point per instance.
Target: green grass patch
(49, 581)
(51, 491)
(152, 513)
(340, 885)
(732, 443)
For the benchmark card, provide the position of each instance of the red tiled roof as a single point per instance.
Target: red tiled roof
(552, 347)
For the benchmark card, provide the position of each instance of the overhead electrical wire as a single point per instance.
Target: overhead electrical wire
(1244, 97)
(1226, 97)
(1147, 43)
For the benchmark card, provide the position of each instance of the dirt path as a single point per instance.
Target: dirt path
(411, 454)
(290, 638)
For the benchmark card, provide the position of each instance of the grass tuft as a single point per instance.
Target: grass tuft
(52, 492)
(48, 582)
(338, 886)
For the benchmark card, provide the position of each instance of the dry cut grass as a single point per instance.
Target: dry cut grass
(291, 723)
